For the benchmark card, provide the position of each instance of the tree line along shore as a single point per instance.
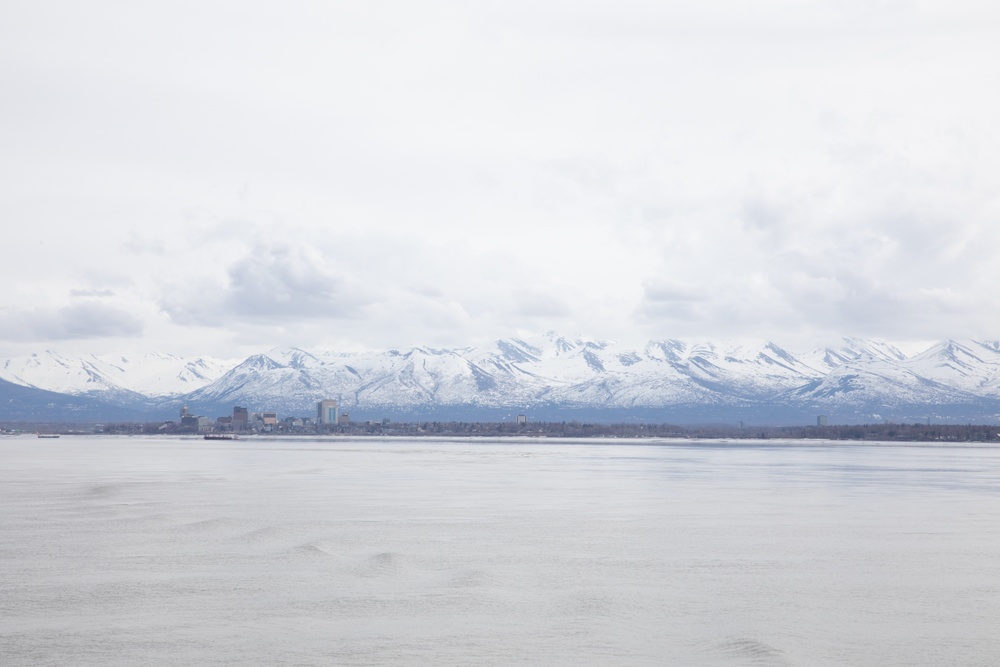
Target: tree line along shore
(571, 429)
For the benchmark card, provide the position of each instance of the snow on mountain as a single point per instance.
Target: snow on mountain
(159, 374)
(547, 371)
(427, 376)
(563, 361)
(972, 366)
(582, 372)
(750, 368)
(825, 359)
(114, 375)
(629, 380)
(879, 384)
(50, 371)
(260, 379)
(949, 373)
(415, 377)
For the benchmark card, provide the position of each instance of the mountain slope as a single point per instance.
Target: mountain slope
(542, 375)
(28, 404)
(119, 377)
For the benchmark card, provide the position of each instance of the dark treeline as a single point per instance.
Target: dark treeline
(577, 429)
(879, 432)
(574, 429)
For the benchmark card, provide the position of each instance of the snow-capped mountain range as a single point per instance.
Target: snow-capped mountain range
(548, 377)
(113, 375)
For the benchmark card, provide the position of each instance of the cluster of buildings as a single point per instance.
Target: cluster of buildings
(242, 420)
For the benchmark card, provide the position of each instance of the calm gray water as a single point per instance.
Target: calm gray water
(131, 551)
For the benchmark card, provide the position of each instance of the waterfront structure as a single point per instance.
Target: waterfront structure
(326, 412)
(241, 418)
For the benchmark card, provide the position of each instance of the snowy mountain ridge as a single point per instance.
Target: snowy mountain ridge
(151, 374)
(546, 373)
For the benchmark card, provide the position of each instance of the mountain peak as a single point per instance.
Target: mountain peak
(550, 369)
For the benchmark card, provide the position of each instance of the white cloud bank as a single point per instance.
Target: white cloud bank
(231, 176)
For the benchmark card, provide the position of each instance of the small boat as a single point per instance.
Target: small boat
(47, 435)
(221, 436)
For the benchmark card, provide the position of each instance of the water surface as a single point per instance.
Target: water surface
(168, 551)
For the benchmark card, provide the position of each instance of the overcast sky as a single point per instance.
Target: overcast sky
(223, 177)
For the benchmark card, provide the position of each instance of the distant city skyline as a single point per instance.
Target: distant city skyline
(221, 179)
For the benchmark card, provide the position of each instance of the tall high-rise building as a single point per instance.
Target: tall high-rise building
(241, 418)
(326, 412)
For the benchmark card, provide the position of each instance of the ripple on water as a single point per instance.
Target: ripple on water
(275, 534)
(218, 524)
(752, 651)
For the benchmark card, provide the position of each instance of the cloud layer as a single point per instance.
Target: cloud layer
(353, 175)
(75, 322)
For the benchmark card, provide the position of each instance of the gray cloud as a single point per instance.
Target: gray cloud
(534, 304)
(91, 293)
(100, 278)
(77, 321)
(272, 284)
(849, 287)
(655, 292)
(140, 244)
